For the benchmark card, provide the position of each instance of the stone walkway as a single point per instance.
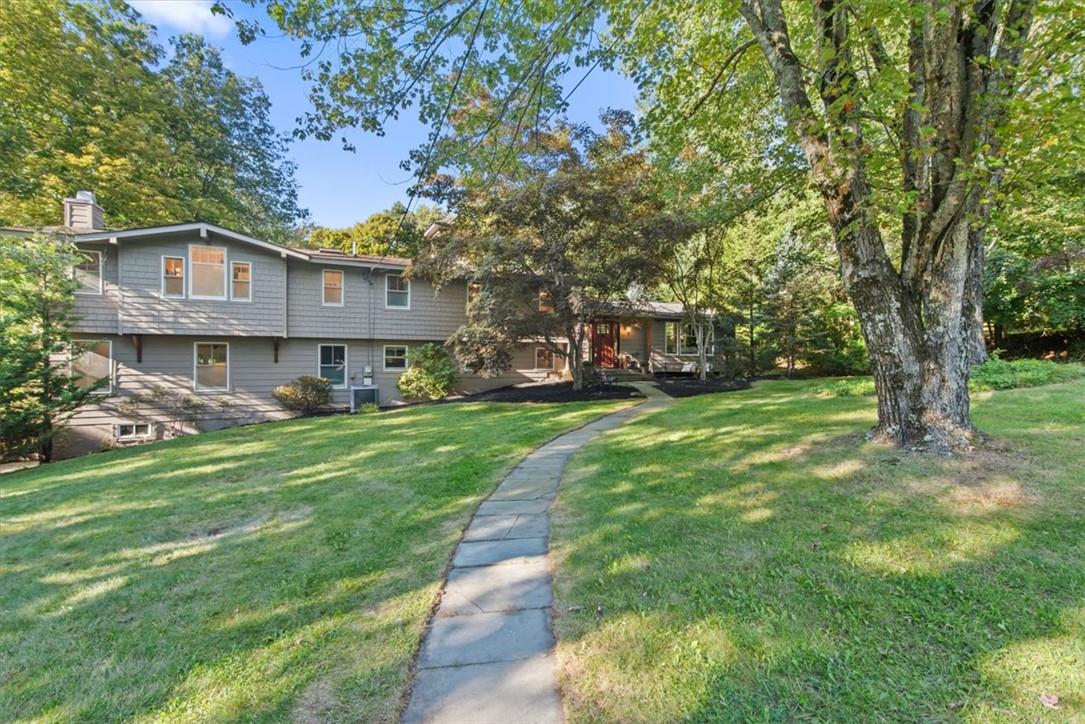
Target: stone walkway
(488, 654)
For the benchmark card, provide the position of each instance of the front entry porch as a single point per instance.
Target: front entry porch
(620, 345)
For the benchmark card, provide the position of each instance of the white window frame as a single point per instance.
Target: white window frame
(233, 297)
(397, 291)
(324, 287)
(225, 273)
(553, 358)
(195, 378)
(346, 363)
(107, 391)
(101, 270)
(681, 349)
(467, 303)
(406, 358)
(149, 435)
(184, 277)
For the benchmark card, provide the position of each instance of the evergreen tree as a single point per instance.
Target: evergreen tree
(37, 389)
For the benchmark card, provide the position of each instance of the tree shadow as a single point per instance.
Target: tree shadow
(277, 571)
(756, 561)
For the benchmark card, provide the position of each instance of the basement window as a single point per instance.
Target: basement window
(131, 431)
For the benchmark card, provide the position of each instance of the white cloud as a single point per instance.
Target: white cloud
(187, 16)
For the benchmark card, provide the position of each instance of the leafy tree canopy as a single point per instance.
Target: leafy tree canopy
(566, 237)
(395, 232)
(87, 103)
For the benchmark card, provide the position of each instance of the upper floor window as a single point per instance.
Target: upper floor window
(211, 366)
(93, 365)
(241, 281)
(88, 273)
(207, 271)
(333, 364)
(173, 276)
(333, 288)
(397, 292)
(546, 304)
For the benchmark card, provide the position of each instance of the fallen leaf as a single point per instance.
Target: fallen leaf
(1051, 701)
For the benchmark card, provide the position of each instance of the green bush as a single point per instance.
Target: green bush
(368, 408)
(994, 374)
(304, 395)
(431, 374)
(1000, 374)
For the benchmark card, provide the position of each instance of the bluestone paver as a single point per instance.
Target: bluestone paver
(485, 637)
(505, 507)
(488, 589)
(490, 552)
(504, 692)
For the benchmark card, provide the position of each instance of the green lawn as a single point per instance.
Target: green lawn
(273, 572)
(747, 556)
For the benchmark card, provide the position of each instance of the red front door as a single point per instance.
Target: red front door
(602, 343)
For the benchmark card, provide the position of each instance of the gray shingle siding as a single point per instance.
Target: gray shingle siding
(364, 313)
(145, 311)
(156, 388)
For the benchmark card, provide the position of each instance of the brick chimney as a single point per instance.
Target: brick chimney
(82, 213)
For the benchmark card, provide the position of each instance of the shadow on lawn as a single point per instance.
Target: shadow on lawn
(755, 560)
(286, 572)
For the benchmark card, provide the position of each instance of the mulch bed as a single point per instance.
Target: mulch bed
(552, 392)
(691, 386)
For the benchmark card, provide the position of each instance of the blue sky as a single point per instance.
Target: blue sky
(338, 187)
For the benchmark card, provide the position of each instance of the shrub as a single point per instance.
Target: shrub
(431, 374)
(994, 374)
(999, 374)
(368, 409)
(304, 395)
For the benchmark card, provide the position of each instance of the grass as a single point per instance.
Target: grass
(748, 556)
(994, 374)
(274, 572)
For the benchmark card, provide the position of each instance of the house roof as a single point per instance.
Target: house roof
(206, 231)
(657, 310)
(335, 256)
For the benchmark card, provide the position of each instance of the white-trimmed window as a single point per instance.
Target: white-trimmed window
(173, 277)
(207, 272)
(93, 364)
(88, 272)
(333, 288)
(397, 292)
(680, 338)
(546, 303)
(395, 357)
(130, 431)
(332, 364)
(211, 366)
(241, 281)
(545, 359)
(473, 290)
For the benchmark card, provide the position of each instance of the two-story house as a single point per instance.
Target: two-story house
(195, 325)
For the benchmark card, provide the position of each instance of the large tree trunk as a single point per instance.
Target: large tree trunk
(920, 365)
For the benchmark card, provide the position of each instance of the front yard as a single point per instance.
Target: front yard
(274, 572)
(747, 556)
